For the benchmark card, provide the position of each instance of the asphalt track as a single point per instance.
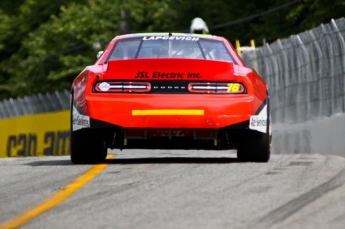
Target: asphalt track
(175, 189)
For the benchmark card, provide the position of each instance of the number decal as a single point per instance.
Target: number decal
(233, 87)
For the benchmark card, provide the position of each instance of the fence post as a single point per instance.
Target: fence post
(342, 65)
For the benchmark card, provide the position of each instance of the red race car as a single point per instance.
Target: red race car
(169, 91)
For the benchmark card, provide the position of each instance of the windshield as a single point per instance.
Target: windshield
(170, 47)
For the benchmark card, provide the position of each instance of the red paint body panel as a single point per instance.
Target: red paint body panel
(208, 70)
(220, 110)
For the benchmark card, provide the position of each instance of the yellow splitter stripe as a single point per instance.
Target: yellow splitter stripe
(168, 112)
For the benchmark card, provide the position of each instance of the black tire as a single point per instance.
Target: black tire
(87, 145)
(254, 147)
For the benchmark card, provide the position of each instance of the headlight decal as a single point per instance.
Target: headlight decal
(231, 88)
(169, 87)
(122, 87)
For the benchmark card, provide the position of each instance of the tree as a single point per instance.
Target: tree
(44, 45)
(18, 19)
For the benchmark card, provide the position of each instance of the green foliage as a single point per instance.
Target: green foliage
(150, 16)
(45, 44)
(9, 6)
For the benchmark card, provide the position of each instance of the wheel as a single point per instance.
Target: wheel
(254, 147)
(86, 144)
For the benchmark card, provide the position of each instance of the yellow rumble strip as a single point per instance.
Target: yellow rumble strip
(168, 112)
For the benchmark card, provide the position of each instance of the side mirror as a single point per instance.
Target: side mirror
(99, 54)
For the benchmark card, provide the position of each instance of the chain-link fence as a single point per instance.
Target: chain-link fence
(305, 73)
(49, 102)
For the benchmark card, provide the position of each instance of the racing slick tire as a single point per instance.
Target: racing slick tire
(254, 147)
(87, 147)
(86, 144)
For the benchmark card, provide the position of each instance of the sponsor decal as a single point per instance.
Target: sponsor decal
(178, 38)
(79, 121)
(26, 144)
(168, 75)
(259, 122)
(35, 135)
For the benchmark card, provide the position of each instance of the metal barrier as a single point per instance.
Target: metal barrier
(41, 103)
(305, 73)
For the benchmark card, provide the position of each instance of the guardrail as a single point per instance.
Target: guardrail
(41, 103)
(305, 73)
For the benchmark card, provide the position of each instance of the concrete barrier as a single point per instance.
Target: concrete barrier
(35, 135)
(322, 136)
